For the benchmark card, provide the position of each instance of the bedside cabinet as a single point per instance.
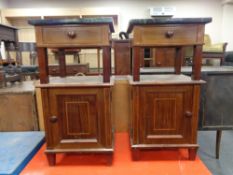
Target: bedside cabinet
(76, 109)
(164, 108)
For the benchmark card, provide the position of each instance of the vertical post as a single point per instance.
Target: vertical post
(43, 64)
(62, 62)
(178, 59)
(18, 58)
(142, 61)
(106, 63)
(1, 60)
(98, 59)
(8, 56)
(136, 63)
(197, 57)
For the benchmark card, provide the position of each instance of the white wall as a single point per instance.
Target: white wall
(3, 4)
(227, 26)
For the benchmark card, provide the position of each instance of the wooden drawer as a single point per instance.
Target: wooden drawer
(168, 35)
(71, 36)
(70, 69)
(79, 68)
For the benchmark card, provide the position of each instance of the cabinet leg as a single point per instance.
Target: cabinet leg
(218, 141)
(192, 153)
(135, 154)
(109, 160)
(51, 159)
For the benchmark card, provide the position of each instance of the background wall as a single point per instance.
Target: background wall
(3, 4)
(220, 10)
(129, 9)
(227, 25)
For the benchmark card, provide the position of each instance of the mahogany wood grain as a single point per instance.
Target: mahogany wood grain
(164, 57)
(197, 57)
(152, 35)
(73, 124)
(43, 64)
(136, 63)
(122, 57)
(106, 64)
(178, 59)
(72, 36)
(77, 113)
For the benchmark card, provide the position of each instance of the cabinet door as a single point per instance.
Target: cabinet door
(164, 57)
(166, 114)
(79, 118)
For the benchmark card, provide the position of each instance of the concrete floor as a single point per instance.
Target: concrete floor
(223, 165)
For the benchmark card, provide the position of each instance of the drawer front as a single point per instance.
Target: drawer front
(73, 35)
(74, 69)
(54, 70)
(168, 35)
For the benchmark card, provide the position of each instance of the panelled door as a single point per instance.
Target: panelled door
(166, 114)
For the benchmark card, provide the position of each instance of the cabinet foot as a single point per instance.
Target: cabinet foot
(109, 160)
(51, 159)
(192, 153)
(135, 154)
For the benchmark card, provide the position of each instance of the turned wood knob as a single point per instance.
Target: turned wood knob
(188, 114)
(71, 34)
(169, 34)
(53, 119)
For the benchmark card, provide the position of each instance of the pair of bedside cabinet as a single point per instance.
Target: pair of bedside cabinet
(77, 110)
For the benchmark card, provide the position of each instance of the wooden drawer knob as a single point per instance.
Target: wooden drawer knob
(53, 119)
(71, 34)
(169, 34)
(188, 114)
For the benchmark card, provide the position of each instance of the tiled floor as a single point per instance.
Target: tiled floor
(173, 162)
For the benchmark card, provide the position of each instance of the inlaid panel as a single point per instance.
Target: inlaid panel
(163, 114)
(165, 120)
(78, 115)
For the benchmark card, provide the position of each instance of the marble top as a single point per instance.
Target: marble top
(77, 81)
(68, 21)
(164, 79)
(154, 21)
(188, 70)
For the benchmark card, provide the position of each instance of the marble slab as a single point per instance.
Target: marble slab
(68, 21)
(155, 21)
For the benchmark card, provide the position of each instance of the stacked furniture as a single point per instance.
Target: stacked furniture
(77, 110)
(9, 72)
(165, 107)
